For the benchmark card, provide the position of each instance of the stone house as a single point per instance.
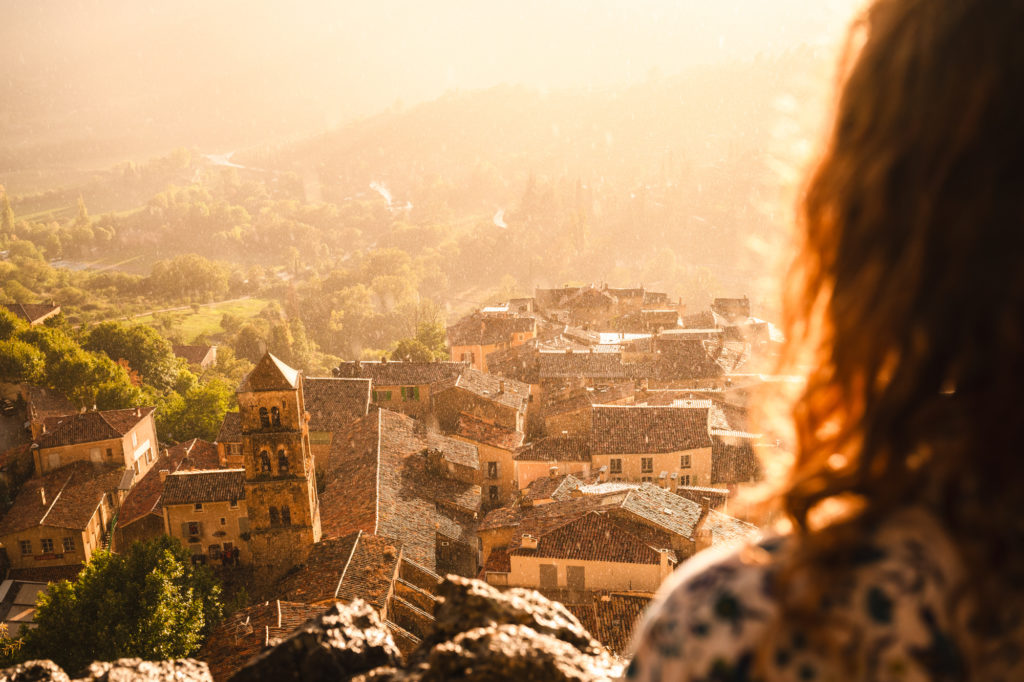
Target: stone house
(402, 386)
(558, 454)
(207, 511)
(668, 446)
(496, 447)
(200, 357)
(60, 518)
(229, 441)
(121, 438)
(488, 398)
(141, 515)
(476, 336)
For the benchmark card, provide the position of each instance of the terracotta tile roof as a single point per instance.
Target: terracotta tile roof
(557, 364)
(333, 404)
(146, 496)
(270, 374)
(610, 617)
(72, 495)
(596, 537)
(245, 633)
(230, 428)
(218, 485)
(89, 427)
(483, 330)
(726, 529)
(393, 373)
(630, 429)
(377, 480)
(664, 509)
(46, 402)
(498, 561)
(317, 579)
(453, 450)
(537, 519)
(194, 355)
(480, 431)
(555, 449)
(508, 392)
(32, 312)
(371, 572)
(556, 487)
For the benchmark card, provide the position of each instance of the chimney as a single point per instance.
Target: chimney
(163, 474)
(42, 494)
(138, 412)
(528, 542)
(666, 562)
(501, 386)
(553, 471)
(705, 507)
(383, 359)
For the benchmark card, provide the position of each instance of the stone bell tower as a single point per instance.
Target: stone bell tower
(280, 485)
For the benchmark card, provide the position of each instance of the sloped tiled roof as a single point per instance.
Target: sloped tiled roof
(480, 431)
(573, 364)
(190, 487)
(334, 404)
(231, 428)
(664, 509)
(270, 374)
(555, 449)
(194, 355)
(370, 572)
(555, 487)
(72, 495)
(146, 496)
(317, 579)
(610, 617)
(595, 537)
(484, 330)
(396, 373)
(32, 312)
(508, 392)
(245, 633)
(46, 402)
(727, 529)
(630, 429)
(89, 427)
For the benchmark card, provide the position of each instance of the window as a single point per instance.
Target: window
(275, 416)
(233, 504)
(223, 521)
(548, 575)
(467, 357)
(275, 518)
(198, 506)
(110, 453)
(410, 393)
(381, 396)
(282, 463)
(492, 493)
(647, 479)
(264, 462)
(492, 470)
(69, 544)
(214, 552)
(286, 516)
(684, 461)
(647, 465)
(694, 480)
(684, 479)
(264, 417)
(234, 448)
(575, 577)
(26, 546)
(193, 527)
(616, 466)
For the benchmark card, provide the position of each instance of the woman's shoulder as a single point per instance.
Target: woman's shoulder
(719, 614)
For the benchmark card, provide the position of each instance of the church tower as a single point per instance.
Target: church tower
(280, 482)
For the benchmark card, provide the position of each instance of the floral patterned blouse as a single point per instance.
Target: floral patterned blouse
(716, 619)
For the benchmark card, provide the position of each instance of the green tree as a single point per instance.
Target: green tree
(411, 350)
(196, 414)
(148, 353)
(6, 214)
(150, 603)
(434, 336)
(20, 361)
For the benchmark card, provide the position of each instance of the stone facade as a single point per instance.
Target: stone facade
(280, 488)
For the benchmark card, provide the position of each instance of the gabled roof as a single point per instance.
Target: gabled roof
(574, 364)
(218, 485)
(73, 493)
(397, 373)
(230, 428)
(270, 374)
(146, 497)
(556, 487)
(245, 633)
(481, 432)
(90, 427)
(33, 313)
(555, 449)
(595, 536)
(46, 402)
(333, 404)
(633, 429)
(507, 392)
(484, 330)
(194, 355)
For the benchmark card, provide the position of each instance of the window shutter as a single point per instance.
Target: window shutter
(184, 530)
(243, 524)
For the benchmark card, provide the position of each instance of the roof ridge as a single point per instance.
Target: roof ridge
(71, 474)
(352, 553)
(376, 509)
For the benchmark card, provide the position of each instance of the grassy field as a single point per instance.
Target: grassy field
(207, 320)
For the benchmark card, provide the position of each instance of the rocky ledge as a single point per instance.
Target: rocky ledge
(481, 634)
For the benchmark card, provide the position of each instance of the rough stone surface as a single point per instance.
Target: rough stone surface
(33, 671)
(481, 634)
(135, 669)
(342, 642)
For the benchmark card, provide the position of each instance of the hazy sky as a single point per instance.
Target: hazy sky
(308, 65)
